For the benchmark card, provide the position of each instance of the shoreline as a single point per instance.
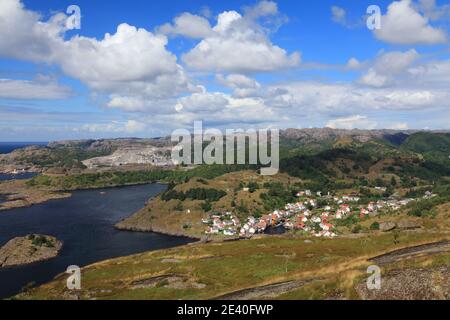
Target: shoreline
(159, 231)
(198, 239)
(58, 194)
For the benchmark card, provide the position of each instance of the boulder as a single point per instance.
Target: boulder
(408, 224)
(387, 226)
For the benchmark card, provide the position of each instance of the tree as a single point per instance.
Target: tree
(206, 206)
(375, 226)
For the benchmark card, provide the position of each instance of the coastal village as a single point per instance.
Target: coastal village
(305, 215)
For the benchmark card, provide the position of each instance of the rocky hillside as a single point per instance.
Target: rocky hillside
(71, 154)
(81, 154)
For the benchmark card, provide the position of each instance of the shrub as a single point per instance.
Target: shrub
(206, 206)
(375, 226)
(40, 241)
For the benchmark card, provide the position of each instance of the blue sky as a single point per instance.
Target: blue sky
(230, 64)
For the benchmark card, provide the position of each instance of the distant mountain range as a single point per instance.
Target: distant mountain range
(430, 145)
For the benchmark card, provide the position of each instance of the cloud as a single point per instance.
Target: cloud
(434, 74)
(288, 104)
(134, 126)
(128, 127)
(239, 44)
(132, 70)
(352, 122)
(222, 108)
(307, 98)
(433, 11)
(204, 102)
(23, 36)
(238, 81)
(354, 64)
(32, 90)
(404, 25)
(132, 64)
(261, 9)
(188, 25)
(339, 15)
(387, 68)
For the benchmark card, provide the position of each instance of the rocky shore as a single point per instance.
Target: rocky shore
(29, 249)
(16, 194)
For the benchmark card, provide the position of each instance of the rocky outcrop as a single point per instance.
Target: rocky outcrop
(408, 225)
(29, 249)
(404, 224)
(157, 156)
(410, 284)
(387, 226)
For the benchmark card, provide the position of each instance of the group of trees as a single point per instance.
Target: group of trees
(277, 196)
(425, 207)
(39, 241)
(210, 195)
(117, 178)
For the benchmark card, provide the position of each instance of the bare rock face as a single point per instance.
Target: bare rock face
(387, 226)
(29, 249)
(157, 156)
(408, 225)
(410, 284)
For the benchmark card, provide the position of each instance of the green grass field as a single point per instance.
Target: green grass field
(206, 271)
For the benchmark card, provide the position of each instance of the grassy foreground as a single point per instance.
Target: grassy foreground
(206, 271)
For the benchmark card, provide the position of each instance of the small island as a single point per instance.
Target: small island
(29, 249)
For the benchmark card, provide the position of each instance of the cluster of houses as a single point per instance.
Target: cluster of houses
(304, 215)
(222, 223)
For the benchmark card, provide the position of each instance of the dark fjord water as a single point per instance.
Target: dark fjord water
(20, 176)
(7, 147)
(85, 223)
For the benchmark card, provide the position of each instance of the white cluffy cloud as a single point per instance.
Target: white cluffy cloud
(404, 25)
(388, 68)
(239, 44)
(131, 69)
(130, 64)
(23, 36)
(188, 25)
(133, 66)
